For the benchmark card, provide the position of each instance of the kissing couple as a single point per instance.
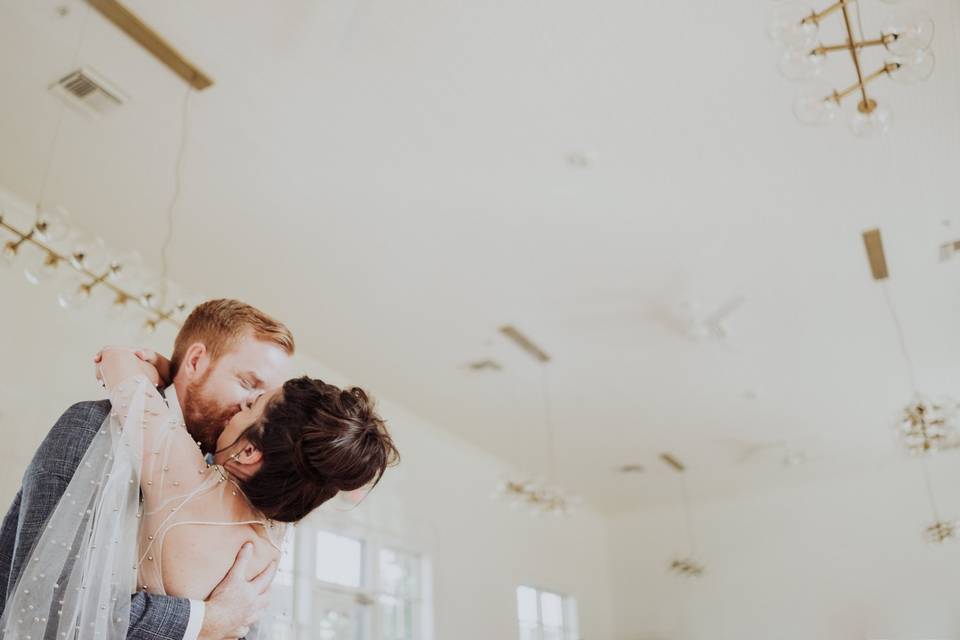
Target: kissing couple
(159, 514)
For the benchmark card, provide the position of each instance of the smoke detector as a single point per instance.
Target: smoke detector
(88, 91)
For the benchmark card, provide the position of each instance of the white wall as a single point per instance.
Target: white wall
(438, 498)
(839, 559)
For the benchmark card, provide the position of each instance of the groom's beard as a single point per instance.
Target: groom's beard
(205, 417)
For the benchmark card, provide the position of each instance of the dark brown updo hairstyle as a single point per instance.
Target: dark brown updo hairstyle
(316, 440)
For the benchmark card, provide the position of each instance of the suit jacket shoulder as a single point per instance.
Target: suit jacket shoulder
(62, 450)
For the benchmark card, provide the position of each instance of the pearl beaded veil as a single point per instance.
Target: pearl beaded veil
(101, 544)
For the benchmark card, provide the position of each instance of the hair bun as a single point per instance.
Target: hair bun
(301, 459)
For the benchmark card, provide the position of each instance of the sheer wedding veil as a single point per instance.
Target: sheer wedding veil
(77, 581)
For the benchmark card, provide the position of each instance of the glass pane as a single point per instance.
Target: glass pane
(286, 566)
(336, 617)
(571, 622)
(552, 633)
(529, 631)
(281, 631)
(551, 610)
(339, 559)
(396, 618)
(335, 625)
(399, 573)
(527, 605)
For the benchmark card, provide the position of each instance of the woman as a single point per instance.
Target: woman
(278, 459)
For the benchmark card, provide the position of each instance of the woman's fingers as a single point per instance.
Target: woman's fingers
(159, 362)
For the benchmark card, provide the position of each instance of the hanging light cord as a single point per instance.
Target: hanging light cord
(933, 502)
(548, 421)
(175, 197)
(911, 371)
(54, 142)
(688, 515)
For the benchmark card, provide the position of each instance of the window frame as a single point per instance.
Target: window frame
(570, 629)
(368, 594)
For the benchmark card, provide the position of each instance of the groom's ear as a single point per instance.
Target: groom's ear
(195, 360)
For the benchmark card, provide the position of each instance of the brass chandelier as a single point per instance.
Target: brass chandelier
(923, 427)
(687, 566)
(47, 250)
(926, 427)
(537, 495)
(45, 246)
(904, 37)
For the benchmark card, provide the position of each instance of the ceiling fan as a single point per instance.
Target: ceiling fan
(672, 307)
(689, 318)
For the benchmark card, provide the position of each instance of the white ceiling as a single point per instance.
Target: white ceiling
(391, 178)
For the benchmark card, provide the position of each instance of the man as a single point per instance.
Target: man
(226, 355)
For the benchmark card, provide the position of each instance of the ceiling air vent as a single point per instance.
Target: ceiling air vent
(88, 90)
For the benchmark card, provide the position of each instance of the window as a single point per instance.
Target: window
(544, 615)
(399, 595)
(363, 588)
(339, 559)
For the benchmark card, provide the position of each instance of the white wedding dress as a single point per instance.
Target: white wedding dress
(102, 543)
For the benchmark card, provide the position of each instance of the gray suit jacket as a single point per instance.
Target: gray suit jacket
(152, 617)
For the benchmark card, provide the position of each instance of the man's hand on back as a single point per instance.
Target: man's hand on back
(236, 604)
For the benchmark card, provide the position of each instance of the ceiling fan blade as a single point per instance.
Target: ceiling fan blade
(726, 309)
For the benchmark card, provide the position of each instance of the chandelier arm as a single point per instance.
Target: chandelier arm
(830, 48)
(840, 95)
(815, 17)
(29, 237)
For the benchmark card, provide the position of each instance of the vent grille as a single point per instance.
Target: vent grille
(88, 90)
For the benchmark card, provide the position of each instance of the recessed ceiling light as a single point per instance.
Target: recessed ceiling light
(485, 365)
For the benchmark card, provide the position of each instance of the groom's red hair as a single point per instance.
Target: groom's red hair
(218, 324)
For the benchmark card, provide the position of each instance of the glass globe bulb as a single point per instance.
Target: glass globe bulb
(122, 308)
(912, 31)
(870, 120)
(816, 105)
(126, 269)
(790, 30)
(76, 293)
(52, 224)
(88, 253)
(153, 290)
(41, 266)
(913, 68)
(147, 328)
(796, 65)
(174, 300)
